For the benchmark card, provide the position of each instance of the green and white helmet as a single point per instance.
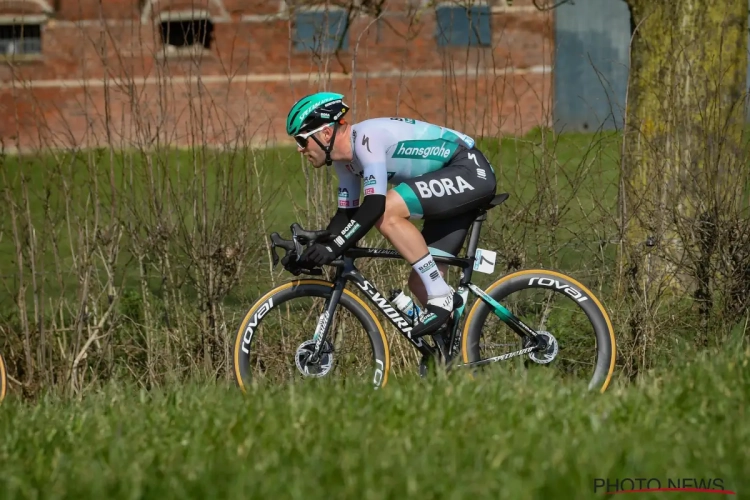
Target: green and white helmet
(315, 110)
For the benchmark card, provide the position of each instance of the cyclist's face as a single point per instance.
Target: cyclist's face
(312, 151)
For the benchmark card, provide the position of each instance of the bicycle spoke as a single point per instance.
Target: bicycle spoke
(284, 330)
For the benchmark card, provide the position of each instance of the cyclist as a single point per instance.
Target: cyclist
(439, 176)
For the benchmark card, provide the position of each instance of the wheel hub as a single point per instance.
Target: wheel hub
(548, 353)
(314, 368)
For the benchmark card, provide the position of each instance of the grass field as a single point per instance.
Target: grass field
(530, 437)
(495, 437)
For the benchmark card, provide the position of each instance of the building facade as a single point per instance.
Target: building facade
(135, 73)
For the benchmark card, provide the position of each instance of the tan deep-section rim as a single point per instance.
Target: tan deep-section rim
(588, 292)
(291, 284)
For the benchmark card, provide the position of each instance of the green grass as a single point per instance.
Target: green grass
(489, 438)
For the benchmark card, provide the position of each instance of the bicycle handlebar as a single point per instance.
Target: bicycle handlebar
(278, 241)
(293, 247)
(307, 237)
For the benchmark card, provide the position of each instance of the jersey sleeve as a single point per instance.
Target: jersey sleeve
(370, 153)
(349, 187)
(370, 147)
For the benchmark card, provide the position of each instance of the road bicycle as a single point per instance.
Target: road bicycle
(3, 378)
(342, 318)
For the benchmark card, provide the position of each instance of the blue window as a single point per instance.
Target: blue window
(321, 31)
(459, 26)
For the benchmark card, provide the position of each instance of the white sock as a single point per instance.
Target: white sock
(434, 284)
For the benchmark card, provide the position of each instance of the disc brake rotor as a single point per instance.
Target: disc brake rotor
(549, 353)
(318, 368)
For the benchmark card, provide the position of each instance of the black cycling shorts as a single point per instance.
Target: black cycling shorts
(448, 199)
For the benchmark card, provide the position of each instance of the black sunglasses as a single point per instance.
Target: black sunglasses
(302, 138)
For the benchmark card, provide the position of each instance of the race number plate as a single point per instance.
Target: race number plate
(484, 261)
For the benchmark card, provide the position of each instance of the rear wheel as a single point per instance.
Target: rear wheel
(274, 341)
(577, 329)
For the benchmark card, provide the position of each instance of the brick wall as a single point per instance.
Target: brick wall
(103, 78)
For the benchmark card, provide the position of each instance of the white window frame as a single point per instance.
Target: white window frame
(177, 16)
(24, 19)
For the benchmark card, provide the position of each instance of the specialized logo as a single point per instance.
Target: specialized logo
(426, 150)
(442, 187)
(472, 156)
(248, 337)
(389, 311)
(322, 322)
(550, 283)
(366, 143)
(370, 180)
(310, 107)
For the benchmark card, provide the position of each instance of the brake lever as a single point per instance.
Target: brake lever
(274, 255)
(291, 246)
(295, 239)
(287, 245)
(277, 240)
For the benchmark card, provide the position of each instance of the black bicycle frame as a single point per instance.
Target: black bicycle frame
(347, 271)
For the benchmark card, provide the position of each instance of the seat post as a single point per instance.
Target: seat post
(476, 228)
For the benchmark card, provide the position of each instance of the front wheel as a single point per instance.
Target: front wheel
(274, 341)
(575, 326)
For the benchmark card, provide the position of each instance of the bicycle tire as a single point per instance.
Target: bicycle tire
(310, 288)
(3, 378)
(548, 280)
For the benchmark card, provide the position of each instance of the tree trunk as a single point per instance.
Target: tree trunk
(682, 144)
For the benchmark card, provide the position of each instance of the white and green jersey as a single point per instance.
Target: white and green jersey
(393, 150)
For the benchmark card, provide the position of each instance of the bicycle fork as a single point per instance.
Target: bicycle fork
(324, 321)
